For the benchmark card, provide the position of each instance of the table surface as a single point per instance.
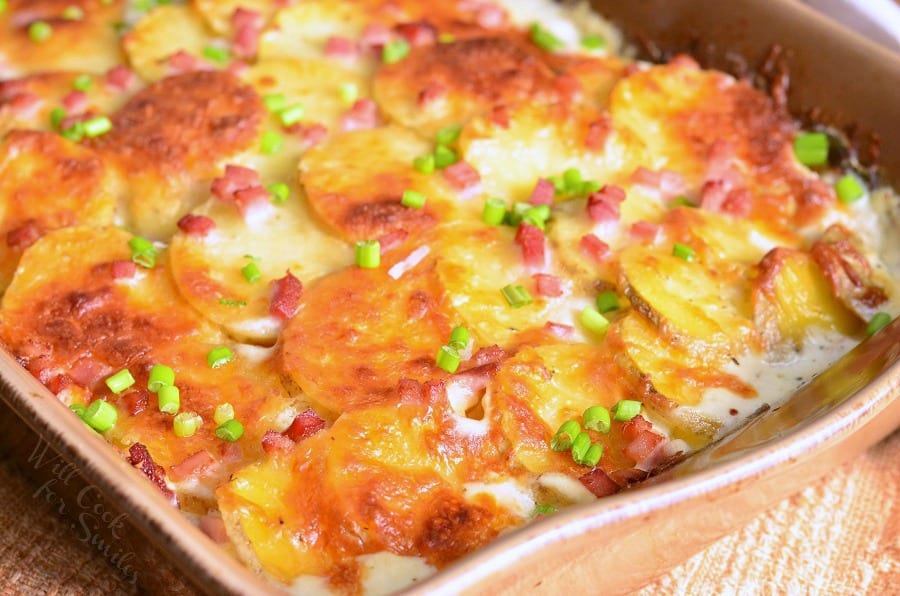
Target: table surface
(838, 536)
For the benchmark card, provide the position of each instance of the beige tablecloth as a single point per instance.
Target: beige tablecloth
(840, 536)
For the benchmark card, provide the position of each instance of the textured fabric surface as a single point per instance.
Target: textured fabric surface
(839, 536)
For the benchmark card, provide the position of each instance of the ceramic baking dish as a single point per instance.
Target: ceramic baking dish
(846, 82)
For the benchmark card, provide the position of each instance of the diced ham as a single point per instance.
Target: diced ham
(196, 225)
(644, 231)
(643, 444)
(531, 239)
(597, 133)
(489, 354)
(120, 78)
(738, 203)
(59, 383)
(252, 202)
(560, 330)
(192, 465)
(243, 17)
(236, 68)
(75, 101)
(23, 236)
(718, 196)
(464, 179)
(304, 425)
(136, 401)
(593, 247)
(313, 134)
(669, 183)
(473, 380)
(247, 26)
(568, 87)
(362, 115)
(599, 483)
(182, 62)
(499, 116)
(341, 47)
(213, 526)
(603, 206)
(543, 193)
(24, 104)
(411, 392)
(235, 178)
(139, 457)
(420, 33)
(549, 286)
(123, 269)
(273, 442)
(432, 92)
(375, 36)
(87, 371)
(285, 296)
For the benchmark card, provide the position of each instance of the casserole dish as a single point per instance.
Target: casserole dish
(815, 431)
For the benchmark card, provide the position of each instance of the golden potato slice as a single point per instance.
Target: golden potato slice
(217, 13)
(355, 183)
(86, 44)
(47, 182)
(162, 32)
(170, 138)
(695, 306)
(792, 299)
(357, 332)
(379, 479)
(314, 84)
(302, 29)
(543, 141)
(207, 269)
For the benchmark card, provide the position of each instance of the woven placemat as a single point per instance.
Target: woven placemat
(839, 536)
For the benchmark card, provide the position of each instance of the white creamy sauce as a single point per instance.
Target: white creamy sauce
(509, 494)
(570, 489)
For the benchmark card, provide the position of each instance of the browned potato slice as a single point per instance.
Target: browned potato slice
(88, 44)
(359, 331)
(46, 182)
(170, 138)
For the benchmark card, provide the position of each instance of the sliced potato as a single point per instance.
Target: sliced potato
(162, 32)
(355, 183)
(302, 29)
(692, 305)
(217, 13)
(47, 182)
(207, 270)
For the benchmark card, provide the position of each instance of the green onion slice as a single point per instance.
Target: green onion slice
(279, 192)
(591, 457)
(811, 148)
(424, 164)
(877, 323)
(368, 254)
(275, 102)
(448, 359)
(186, 424)
(544, 39)
(394, 51)
(516, 296)
(251, 272)
(448, 134)
(218, 357)
(101, 415)
(597, 419)
(82, 82)
(120, 381)
(444, 156)
(580, 445)
(593, 42)
(79, 409)
(608, 301)
(160, 375)
(40, 31)
(271, 143)
(593, 321)
(459, 338)
(224, 413)
(143, 252)
(494, 212)
(849, 190)
(97, 126)
(169, 399)
(292, 115)
(230, 430)
(413, 199)
(562, 440)
(626, 409)
(684, 252)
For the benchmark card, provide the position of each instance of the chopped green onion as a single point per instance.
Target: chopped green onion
(593, 321)
(143, 252)
(186, 424)
(79, 409)
(279, 192)
(589, 187)
(681, 201)
(543, 509)
(230, 431)
(74, 133)
(40, 31)
(101, 415)
(593, 42)
(597, 418)
(292, 114)
(120, 381)
(516, 296)
(368, 254)
(563, 438)
(275, 102)
(57, 115)
(559, 185)
(684, 252)
(216, 54)
(544, 39)
(218, 357)
(580, 445)
(849, 189)
(572, 180)
(424, 164)
(494, 212)
(448, 359)
(448, 134)
(226, 302)
(626, 409)
(271, 143)
(444, 156)
(82, 82)
(97, 126)
(73, 13)
(160, 376)
(811, 148)
(591, 457)
(3, 5)
(878, 322)
(413, 199)
(349, 93)
(607, 301)
(169, 399)
(224, 413)
(394, 51)
(459, 338)
(530, 217)
(251, 273)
